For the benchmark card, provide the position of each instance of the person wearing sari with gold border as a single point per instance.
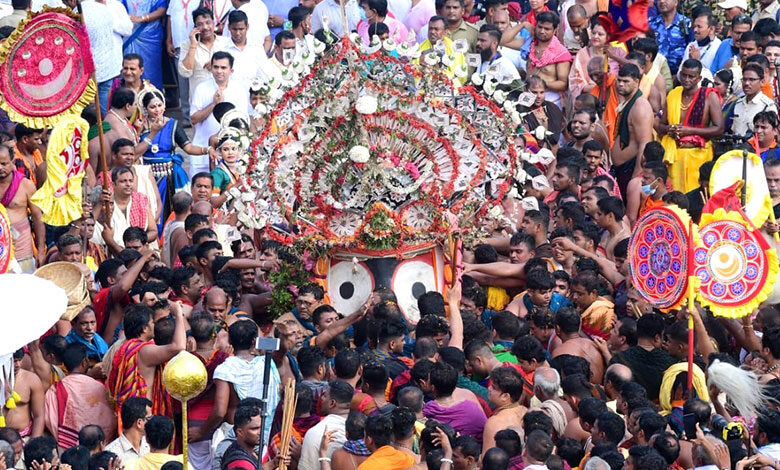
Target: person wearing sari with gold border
(686, 140)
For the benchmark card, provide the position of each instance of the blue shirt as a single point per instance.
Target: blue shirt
(725, 52)
(96, 349)
(673, 39)
(280, 8)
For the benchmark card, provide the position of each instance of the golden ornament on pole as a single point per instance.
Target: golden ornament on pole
(184, 377)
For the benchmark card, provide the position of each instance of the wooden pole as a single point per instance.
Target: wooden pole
(99, 116)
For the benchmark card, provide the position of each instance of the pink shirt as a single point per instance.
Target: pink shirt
(419, 15)
(398, 31)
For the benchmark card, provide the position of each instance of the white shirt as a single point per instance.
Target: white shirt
(707, 53)
(399, 8)
(744, 111)
(123, 449)
(37, 5)
(257, 14)
(234, 93)
(123, 27)
(310, 449)
(771, 450)
(100, 28)
(248, 62)
(180, 13)
(199, 74)
(332, 10)
(513, 55)
(505, 69)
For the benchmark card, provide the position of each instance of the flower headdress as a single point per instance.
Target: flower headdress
(139, 98)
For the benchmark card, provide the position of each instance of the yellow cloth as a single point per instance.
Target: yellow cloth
(665, 393)
(599, 318)
(683, 163)
(459, 61)
(648, 79)
(66, 160)
(497, 298)
(151, 461)
(387, 458)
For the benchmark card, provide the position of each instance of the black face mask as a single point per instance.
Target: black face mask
(703, 42)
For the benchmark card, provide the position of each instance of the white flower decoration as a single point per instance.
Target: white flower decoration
(366, 104)
(461, 71)
(477, 79)
(389, 45)
(516, 119)
(359, 154)
(499, 96)
(431, 58)
(489, 87)
(306, 133)
(319, 46)
(261, 109)
(540, 133)
(447, 60)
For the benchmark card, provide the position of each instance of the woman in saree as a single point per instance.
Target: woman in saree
(148, 35)
(723, 82)
(579, 80)
(159, 140)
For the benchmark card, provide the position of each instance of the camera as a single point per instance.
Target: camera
(728, 431)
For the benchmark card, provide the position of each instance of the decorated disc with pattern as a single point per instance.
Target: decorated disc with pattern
(6, 242)
(657, 255)
(731, 264)
(45, 68)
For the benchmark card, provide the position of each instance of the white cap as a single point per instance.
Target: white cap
(727, 4)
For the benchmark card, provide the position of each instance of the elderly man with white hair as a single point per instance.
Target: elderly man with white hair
(547, 386)
(596, 463)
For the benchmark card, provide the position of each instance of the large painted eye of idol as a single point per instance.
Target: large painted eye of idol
(350, 283)
(47, 67)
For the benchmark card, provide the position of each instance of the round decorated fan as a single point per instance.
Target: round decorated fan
(658, 254)
(45, 69)
(735, 265)
(728, 170)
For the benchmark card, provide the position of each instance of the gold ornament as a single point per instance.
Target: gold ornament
(184, 376)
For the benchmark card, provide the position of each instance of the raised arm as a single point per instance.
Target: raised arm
(340, 325)
(154, 355)
(456, 321)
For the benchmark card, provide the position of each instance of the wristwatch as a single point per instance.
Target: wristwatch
(147, 141)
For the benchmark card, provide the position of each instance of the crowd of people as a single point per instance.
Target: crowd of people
(544, 356)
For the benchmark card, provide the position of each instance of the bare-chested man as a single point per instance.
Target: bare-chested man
(506, 386)
(122, 107)
(27, 417)
(633, 126)
(15, 194)
(567, 327)
(548, 58)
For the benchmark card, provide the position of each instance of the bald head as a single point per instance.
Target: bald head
(412, 398)
(576, 12)
(216, 303)
(615, 377)
(182, 203)
(202, 208)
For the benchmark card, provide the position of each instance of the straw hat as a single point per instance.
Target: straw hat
(68, 277)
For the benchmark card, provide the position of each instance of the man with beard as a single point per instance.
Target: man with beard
(633, 126)
(300, 17)
(493, 63)
(692, 118)
(290, 335)
(543, 112)
(580, 127)
(548, 58)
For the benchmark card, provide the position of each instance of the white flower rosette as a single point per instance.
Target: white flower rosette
(366, 104)
(359, 154)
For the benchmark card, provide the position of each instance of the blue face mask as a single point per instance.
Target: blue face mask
(363, 14)
(648, 189)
